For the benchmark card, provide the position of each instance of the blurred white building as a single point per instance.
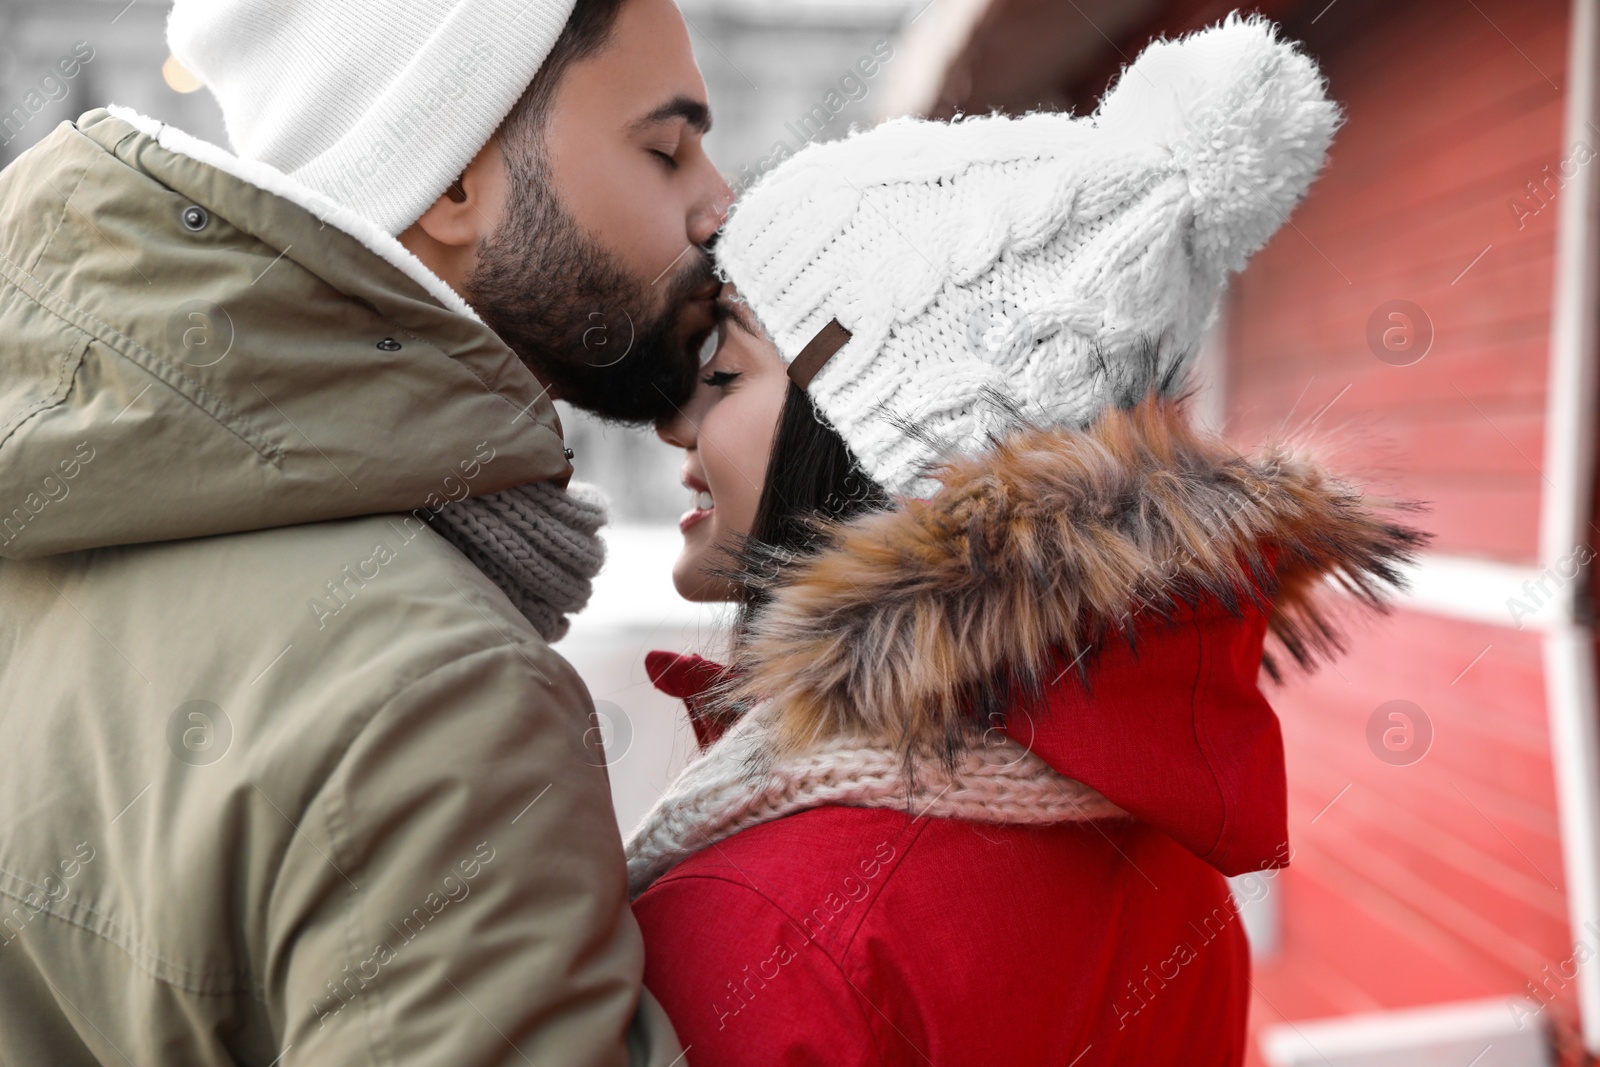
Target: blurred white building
(127, 48)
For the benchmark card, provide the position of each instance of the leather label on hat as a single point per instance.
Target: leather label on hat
(817, 351)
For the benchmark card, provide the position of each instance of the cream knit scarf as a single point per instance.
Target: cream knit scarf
(538, 542)
(737, 783)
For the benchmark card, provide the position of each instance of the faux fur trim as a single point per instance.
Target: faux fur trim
(907, 626)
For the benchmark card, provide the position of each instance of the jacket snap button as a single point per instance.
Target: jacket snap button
(195, 218)
(389, 344)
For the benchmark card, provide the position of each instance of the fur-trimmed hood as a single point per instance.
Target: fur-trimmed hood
(1054, 575)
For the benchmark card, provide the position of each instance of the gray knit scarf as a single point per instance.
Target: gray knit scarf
(737, 783)
(539, 543)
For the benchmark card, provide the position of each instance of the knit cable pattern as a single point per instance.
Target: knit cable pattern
(539, 543)
(735, 785)
(1063, 264)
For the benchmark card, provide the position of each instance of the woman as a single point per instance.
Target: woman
(990, 736)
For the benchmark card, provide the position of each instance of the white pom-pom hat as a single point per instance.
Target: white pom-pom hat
(931, 283)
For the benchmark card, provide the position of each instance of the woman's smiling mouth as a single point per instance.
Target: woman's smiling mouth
(700, 500)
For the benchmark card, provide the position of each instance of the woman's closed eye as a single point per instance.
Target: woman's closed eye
(719, 378)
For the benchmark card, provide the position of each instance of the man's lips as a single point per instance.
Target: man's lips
(709, 291)
(699, 308)
(699, 321)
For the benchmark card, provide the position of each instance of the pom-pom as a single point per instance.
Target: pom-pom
(1246, 117)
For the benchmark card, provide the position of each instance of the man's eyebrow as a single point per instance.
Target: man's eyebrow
(692, 111)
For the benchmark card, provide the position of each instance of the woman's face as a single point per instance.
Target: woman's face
(726, 431)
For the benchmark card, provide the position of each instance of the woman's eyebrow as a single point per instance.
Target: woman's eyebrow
(694, 112)
(737, 312)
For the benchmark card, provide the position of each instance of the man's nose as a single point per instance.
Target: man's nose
(713, 210)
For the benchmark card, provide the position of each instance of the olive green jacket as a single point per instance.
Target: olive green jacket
(283, 778)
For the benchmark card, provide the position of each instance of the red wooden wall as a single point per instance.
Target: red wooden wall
(1441, 880)
(1449, 120)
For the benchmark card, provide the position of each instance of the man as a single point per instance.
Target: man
(286, 778)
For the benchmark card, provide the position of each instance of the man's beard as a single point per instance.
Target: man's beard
(597, 337)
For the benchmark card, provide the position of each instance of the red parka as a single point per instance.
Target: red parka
(1109, 593)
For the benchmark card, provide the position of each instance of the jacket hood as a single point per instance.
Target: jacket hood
(234, 368)
(1105, 595)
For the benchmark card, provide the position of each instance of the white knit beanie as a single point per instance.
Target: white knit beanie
(949, 277)
(377, 104)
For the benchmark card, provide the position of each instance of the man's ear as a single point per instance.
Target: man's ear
(446, 236)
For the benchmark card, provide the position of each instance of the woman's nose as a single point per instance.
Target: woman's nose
(677, 431)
